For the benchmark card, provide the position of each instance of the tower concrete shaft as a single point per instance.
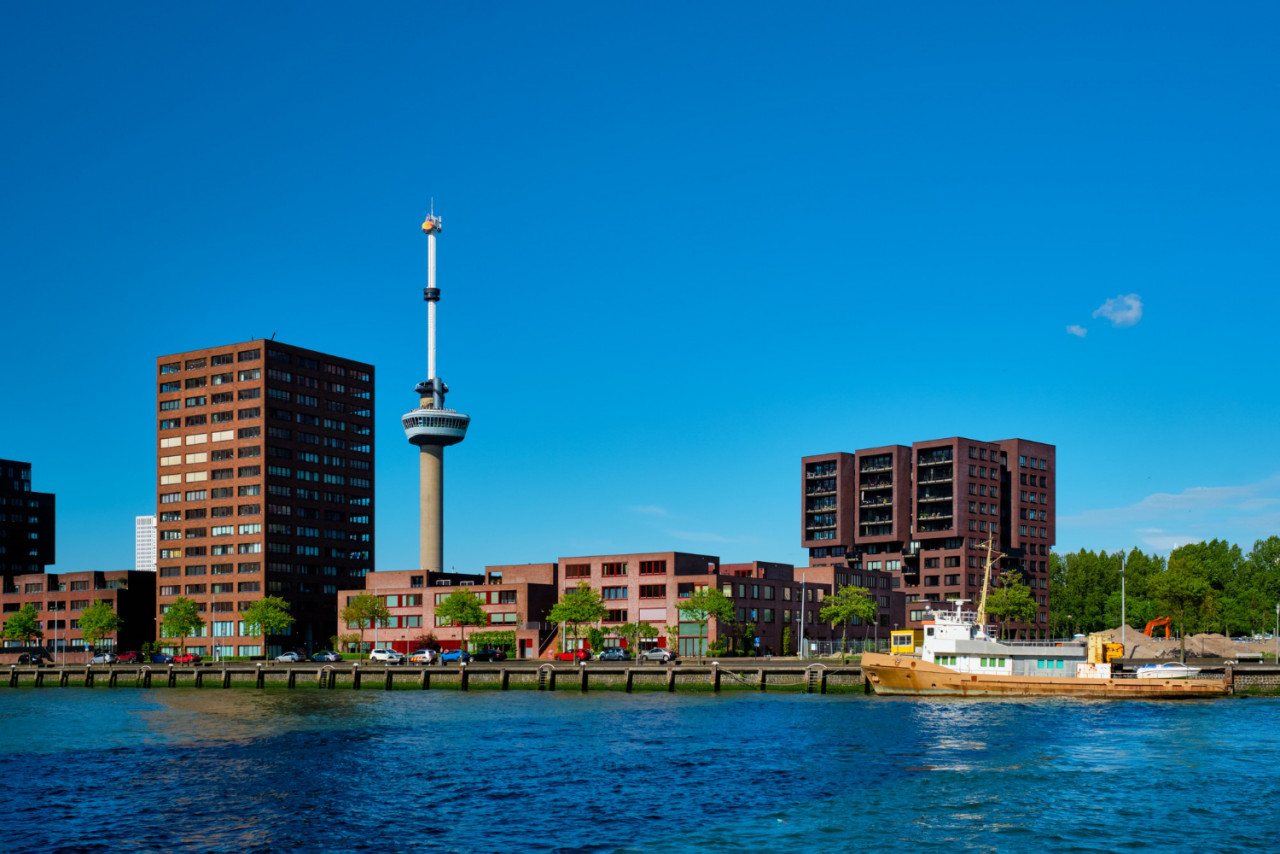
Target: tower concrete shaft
(431, 427)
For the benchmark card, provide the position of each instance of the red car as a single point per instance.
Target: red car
(572, 655)
(186, 658)
(131, 657)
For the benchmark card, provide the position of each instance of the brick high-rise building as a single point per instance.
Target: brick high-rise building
(26, 522)
(924, 513)
(265, 467)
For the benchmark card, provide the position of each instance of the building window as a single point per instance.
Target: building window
(613, 593)
(613, 569)
(577, 570)
(653, 567)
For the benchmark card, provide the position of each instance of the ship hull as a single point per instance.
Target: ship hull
(906, 676)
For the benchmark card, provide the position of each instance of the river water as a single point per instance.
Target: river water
(276, 770)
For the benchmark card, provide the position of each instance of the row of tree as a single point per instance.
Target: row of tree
(269, 615)
(1203, 587)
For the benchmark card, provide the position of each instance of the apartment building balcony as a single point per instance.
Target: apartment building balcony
(925, 499)
(818, 506)
(933, 458)
(937, 477)
(823, 470)
(877, 530)
(877, 483)
(820, 527)
(821, 490)
(875, 502)
(875, 467)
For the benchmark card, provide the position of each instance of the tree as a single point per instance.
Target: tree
(361, 612)
(463, 608)
(1184, 590)
(181, 619)
(23, 625)
(578, 606)
(703, 605)
(633, 632)
(346, 639)
(786, 640)
(97, 621)
(268, 616)
(1011, 601)
(848, 604)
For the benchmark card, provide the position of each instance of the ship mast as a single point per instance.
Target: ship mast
(986, 584)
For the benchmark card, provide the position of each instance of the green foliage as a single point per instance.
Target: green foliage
(577, 607)
(23, 626)
(268, 616)
(786, 641)
(346, 639)
(97, 621)
(180, 620)
(1184, 589)
(493, 640)
(847, 604)
(463, 608)
(362, 611)
(632, 633)
(704, 605)
(1011, 601)
(595, 638)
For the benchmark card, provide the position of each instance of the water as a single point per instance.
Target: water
(244, 770)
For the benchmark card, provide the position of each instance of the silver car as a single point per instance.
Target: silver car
(387, 656)
(657, 654)
(104, 658)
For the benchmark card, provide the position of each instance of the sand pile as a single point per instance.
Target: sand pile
(1203, 645)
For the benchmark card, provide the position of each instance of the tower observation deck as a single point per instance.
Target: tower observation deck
(432, 426)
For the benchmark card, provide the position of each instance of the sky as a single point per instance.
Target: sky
(684, 245)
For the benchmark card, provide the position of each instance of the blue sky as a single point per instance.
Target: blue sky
(684, 245)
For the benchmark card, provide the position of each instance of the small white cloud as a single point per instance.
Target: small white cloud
(1124, 310)
(1078, 331)
(648, 510)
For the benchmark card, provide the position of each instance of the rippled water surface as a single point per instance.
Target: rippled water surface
(186, 769)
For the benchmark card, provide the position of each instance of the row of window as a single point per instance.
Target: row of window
(1034, 463)
(219, 359)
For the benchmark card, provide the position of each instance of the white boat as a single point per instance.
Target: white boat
(1167, 671)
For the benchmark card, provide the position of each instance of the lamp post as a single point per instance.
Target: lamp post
(801, 649)
(1123, 624)
(1276, 636)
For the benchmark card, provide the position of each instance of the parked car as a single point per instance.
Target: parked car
(292, 657)
(489, 655)
(451, 655)
(572, 655)
(35, 656)
(423, 656)
(616, 653)
(160, 658)
(104, 658)
(387, 656)
(658, 654)
(325, 655)
(186, 658)
(131, 657)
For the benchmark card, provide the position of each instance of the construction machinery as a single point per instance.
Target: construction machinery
(1158, 623)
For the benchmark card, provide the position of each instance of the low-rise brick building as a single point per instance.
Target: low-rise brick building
(60, 598)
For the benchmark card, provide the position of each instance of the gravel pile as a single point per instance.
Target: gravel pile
(1202, 645)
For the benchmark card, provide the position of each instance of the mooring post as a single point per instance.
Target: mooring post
(504, 679)
(822, 683)
(715, 676)
(88, 676)
(426, 679)
(761, 678)
(226, 678)
(13, 676)
(355, 677)
(462, 677)
(387, 679)
(39, 678)
(628, 684)
(199, 678)
(146, 678)
(63, 676)
(173, 677)
(671, 679)
(293, 677)
(582, 677)
(261, 683)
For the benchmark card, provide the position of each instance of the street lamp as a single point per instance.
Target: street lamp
(1123, 624)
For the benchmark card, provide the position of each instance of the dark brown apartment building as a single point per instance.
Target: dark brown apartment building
(265, 487)
(26, 522)
(923, 513)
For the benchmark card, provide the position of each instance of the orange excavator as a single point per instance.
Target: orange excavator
(1158, 623)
